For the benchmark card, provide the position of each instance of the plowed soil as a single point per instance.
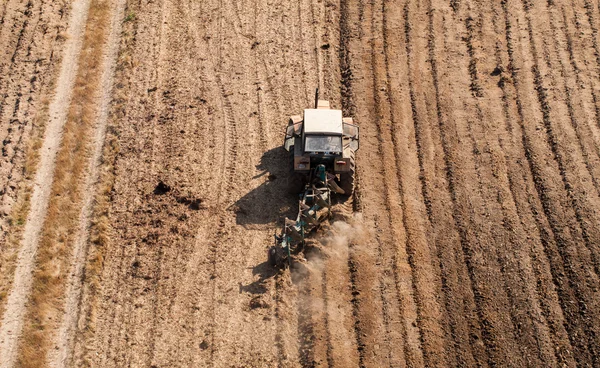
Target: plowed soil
(473, 238)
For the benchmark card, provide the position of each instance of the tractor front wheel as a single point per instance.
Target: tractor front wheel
(295, 181)
(347, 179)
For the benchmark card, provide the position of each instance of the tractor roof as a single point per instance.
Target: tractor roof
(323, 121)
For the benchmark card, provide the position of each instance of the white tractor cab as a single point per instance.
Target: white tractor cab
(322, 136)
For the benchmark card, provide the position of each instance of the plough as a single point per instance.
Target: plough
(314, 208)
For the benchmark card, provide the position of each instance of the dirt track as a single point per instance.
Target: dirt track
(474, 236)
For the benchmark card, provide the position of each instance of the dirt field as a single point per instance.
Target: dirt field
(473, 238)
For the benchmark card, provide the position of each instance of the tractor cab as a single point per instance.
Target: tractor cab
(322, 133)
(322, 136)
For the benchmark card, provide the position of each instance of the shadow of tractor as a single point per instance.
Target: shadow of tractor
(270, 202)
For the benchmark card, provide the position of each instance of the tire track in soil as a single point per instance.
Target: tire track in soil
(582, 47)
(572, 101)
(376, 270)
(330, 330)
(12, 319)
(560, 254)
(365, 289)
(449, 277)
(577, 103)
(585, 205)
(224, 198)
(225, 195)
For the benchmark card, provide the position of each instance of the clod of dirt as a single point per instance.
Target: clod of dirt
(161, 188)
(195, 204)
(257, 302)
(204, 345)
(325, 46)
(192, 203)
(497, 71)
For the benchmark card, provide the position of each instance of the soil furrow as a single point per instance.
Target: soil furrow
(557, 233)
(518, 177)
(425, 285)
(464, 254)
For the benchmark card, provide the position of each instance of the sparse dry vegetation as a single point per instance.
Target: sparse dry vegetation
(44, 308)
(100, 227)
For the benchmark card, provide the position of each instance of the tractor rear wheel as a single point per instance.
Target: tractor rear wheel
(295, 181)
(347, 179)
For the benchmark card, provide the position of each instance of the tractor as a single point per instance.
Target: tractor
(322, 136)
(322, 145)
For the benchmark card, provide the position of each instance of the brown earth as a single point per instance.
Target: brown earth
(472, 240)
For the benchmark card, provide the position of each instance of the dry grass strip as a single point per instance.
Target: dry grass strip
(100, 228)
(52, 264)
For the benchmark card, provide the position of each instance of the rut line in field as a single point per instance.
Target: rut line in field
(348, 109)
(578, 70)
(316, 48)
(2, 18)
(482, 323)
(325, 52)
(302, 53)
(475, 86)
(329, 346)
(226, 185)
(416, 120)
(230, 167)
(556, 235)
(21, 33)
(163, 101)
(279, 283)
(306, 336)
(553, 141)
(154, 292)
(589, 11)
(327, 71)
